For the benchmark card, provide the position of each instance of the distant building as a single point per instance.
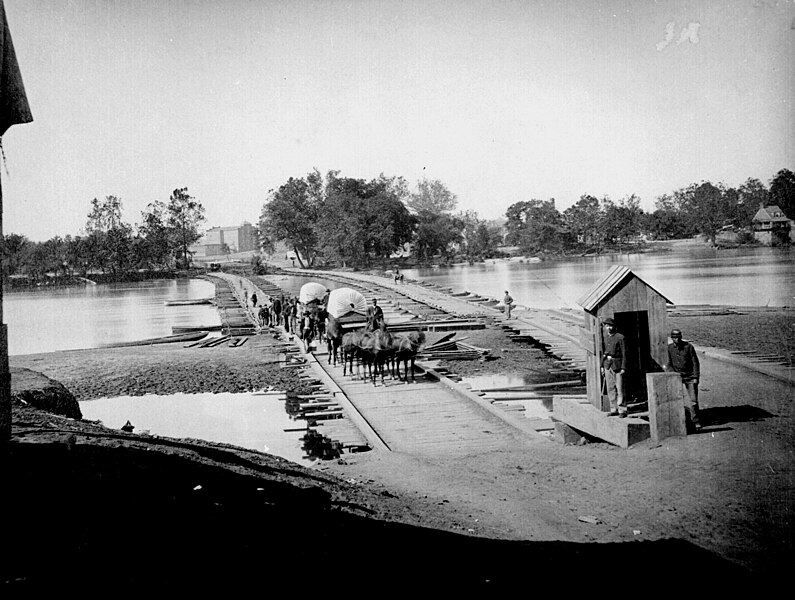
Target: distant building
(772, 227)
(242, 238)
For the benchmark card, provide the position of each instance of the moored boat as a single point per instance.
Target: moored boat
(166, 339)
(188, 302)
(192, 328)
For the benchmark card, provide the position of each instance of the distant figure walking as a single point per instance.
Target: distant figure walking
(508, 302)
(276, 312)
(254, 299)
(264, 316)
(287, 313)
(295, 324)
(306, 330)
(320, 322)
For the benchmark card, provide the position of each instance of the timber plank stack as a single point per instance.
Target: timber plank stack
(450, 349)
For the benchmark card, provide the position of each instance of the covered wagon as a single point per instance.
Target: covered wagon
(347, 307)
(312, 293)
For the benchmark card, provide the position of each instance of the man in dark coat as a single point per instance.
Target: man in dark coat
(507, 300)
(276, 311)
(613, 361)
(682, 359)
(375, 316)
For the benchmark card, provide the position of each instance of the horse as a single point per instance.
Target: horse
(321, 316)
(405, 346)
(349, 344)
(377, 348)
(333, 340)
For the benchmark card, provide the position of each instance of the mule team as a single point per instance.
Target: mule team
(374, 350)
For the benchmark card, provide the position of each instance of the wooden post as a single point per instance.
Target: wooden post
(666, 405)
(14, 109)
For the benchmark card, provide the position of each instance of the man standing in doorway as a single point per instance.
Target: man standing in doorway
(508, 302)
(682, 359)
(613, 368)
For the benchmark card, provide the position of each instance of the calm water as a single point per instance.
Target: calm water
(85, 317)
(250, 421)
(696, 275)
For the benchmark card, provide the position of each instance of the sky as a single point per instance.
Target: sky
(502, 101)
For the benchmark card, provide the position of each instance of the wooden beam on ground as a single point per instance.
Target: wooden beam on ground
(577, 412)
(535, 386)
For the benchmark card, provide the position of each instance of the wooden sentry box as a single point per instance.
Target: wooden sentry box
(640, 314)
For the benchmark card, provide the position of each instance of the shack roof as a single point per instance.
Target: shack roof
(609, 282)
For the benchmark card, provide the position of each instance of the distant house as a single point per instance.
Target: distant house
(772, 227)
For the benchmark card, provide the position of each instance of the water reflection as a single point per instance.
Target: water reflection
(537, 404)
(315, 444)
(486, 382)
(257, 422)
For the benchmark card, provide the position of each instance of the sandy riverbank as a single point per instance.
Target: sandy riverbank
(727, 491)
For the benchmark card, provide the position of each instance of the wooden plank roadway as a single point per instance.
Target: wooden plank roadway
(425, 418)
(559, 327)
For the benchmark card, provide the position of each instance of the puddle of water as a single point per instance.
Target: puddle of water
(257, 422)
(538, 407)
(485, 382)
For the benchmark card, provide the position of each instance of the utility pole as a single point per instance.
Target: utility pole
(14, 109)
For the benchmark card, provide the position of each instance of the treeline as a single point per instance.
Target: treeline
(348, 222)
(111, 248)
(599, 225)
(353, 222)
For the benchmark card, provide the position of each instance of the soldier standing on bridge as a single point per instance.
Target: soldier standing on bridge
(508, 302)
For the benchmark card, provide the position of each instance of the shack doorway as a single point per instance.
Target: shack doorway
(634, 325)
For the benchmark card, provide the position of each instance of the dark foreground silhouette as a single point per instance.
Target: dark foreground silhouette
(122, 520)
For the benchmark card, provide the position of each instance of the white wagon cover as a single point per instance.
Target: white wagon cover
(340, 300)
(311, 291)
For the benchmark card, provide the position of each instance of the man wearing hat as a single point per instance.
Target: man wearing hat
(508, 302)
(682, 359)
(613, 368)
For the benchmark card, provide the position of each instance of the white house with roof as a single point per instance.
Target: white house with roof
(772, 227)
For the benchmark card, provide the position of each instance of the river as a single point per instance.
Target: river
(64, 319)
(691, 274)
(48, 320)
